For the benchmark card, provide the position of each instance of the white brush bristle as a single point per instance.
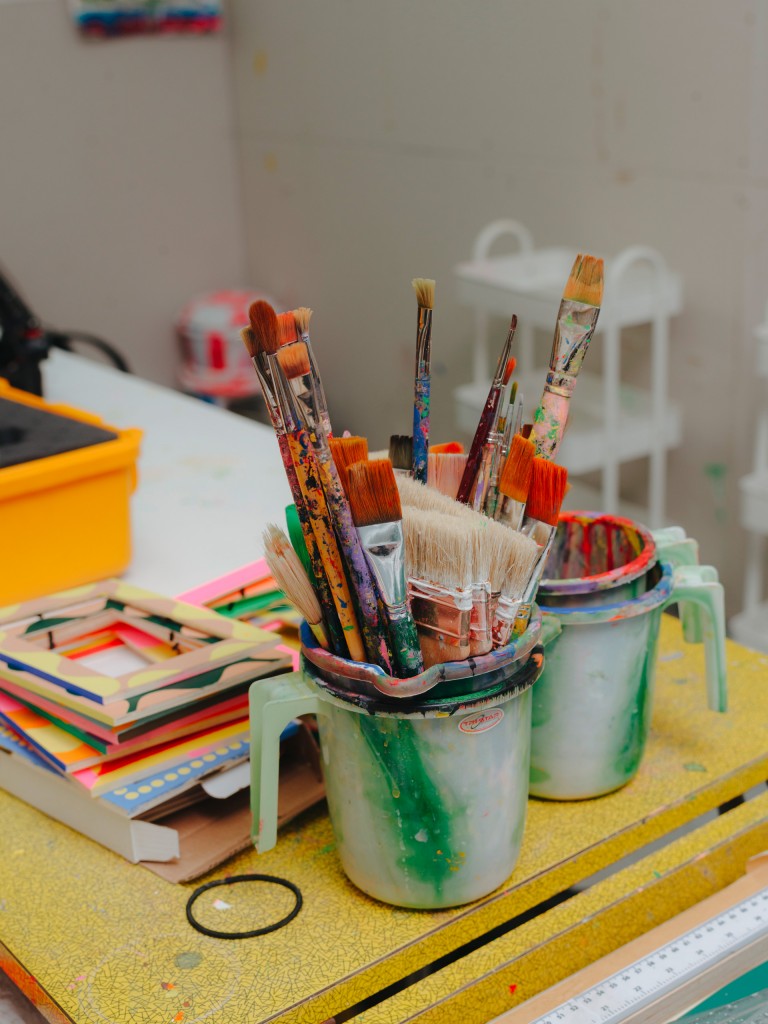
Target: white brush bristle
(289, 574)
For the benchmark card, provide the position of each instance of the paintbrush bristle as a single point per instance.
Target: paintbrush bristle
(401, 451)
(373, 494)
(436, 548)
(547, 490)
(515, 479)
(294, 360)
(504, 557)
(345, 452)
(301, 317)
(418, 495)
(447, 448)
(586, 281)
(444, 471)
(425, 292)
(289, 574)
(264, 327)
(509, 369)
(287, 328)
(249, 341)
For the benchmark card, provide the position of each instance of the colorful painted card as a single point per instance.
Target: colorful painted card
(157, 788)
(65, 751)
(162, 757)
(111, 641)
(18, 746)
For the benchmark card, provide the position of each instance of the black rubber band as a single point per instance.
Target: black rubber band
(232, 880)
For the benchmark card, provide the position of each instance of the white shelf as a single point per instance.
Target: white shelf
(750, 627)
(586, 446)
(754, 501)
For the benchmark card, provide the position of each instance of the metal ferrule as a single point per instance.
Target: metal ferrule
(510, 513)
(305, 394)
(284, 395)
(573, 331)
(480, 619)
(322, 404)
(441, 612)
(268, 390)
(525, 608)
(384, 548)
(423, 340)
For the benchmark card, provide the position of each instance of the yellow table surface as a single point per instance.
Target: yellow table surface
(95, 939)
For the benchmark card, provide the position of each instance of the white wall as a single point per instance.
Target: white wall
(119, 185)
(377, 139)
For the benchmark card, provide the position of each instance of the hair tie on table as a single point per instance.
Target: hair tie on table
(232, 881)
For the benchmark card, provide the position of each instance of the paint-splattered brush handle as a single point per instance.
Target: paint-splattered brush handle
(375, 635)
(466, 487)
(333, 627)
(421, 402)
(422, 396)
(322, 527)
(575, 326)
(406, 651)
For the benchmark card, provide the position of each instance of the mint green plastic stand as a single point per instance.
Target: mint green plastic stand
(698, 586)
(678, 549)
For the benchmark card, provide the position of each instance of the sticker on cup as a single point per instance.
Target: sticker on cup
(482, 721)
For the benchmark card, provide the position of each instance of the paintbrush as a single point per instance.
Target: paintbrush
(444, 471)
(515, 481)
(401, 453)
(439, 569)
(576, 321)
(487, 418)
(549, 483)
(428, 499)
(377, 514)
(265, 332)
(346, 451)
(256, 351)
(425, 296)
(301, 317)
(289, 574)
(291, 365)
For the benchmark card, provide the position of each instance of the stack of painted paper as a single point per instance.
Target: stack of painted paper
(130, 698)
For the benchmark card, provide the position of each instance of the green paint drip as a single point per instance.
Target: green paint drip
(412, 798)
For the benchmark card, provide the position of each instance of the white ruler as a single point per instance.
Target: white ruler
(646, 981)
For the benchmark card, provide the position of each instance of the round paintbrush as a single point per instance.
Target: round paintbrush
(289, 574)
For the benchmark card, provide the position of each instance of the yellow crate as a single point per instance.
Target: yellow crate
(65, 518)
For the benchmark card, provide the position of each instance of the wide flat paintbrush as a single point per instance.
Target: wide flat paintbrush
(377, 514)
(515, 481)
(425, 295)
(254, 346)
(289, 574)
(293, 368)
(445, 470)
(549, 483)
(487, 418)
(265, 330)
(439, 569)
(576, 321)
(345, 452)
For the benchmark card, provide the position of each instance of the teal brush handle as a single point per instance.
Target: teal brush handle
(406, 651)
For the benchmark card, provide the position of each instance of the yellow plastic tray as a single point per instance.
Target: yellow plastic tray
(65, 519)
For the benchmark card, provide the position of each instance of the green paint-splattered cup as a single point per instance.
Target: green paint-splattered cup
(427, 797)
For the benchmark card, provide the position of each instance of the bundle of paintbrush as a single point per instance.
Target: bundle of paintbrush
(352, 594)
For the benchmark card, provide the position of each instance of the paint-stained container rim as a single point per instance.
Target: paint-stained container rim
(594, 551)
(660, 581)
(448, 680)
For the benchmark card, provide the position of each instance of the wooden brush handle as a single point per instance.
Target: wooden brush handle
(421, 403)
(322, 527)
(406, 651)
(549, 424)
(335, 632)
(476, 451)
(375, 635)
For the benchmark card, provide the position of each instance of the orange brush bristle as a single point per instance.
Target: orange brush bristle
(547, 490)
(509, 369)
(287, 328)
(448, 448)
(294, 360)
(585, 283)
(346, 451)
(265, 331)
(515, 480)
(373, 493)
